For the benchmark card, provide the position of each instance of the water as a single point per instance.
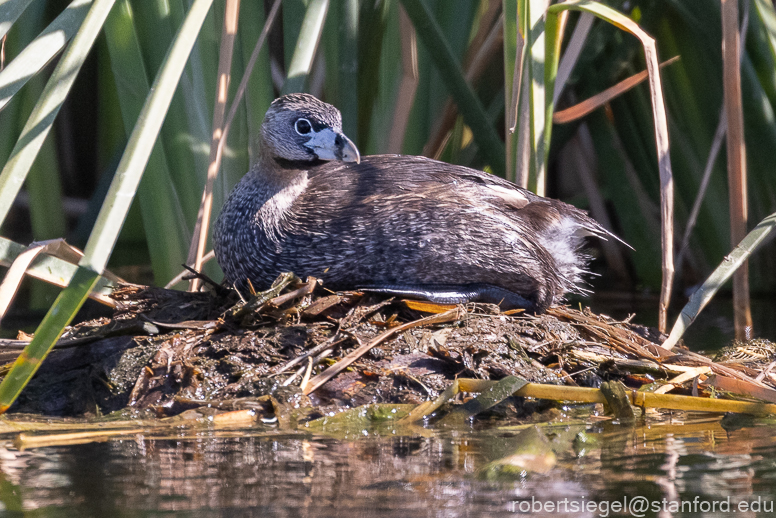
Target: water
(679, 458)
(667, 463)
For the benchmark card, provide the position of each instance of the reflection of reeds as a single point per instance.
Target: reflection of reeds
(38, 433)
(391, 100)
(25, 440)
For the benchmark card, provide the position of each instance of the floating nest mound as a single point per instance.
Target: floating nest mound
(301, 345)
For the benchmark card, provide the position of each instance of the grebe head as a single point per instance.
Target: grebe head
(299, 127)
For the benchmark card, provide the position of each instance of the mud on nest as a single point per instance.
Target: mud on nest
(171, 350)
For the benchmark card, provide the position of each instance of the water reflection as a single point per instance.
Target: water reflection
(439, 475)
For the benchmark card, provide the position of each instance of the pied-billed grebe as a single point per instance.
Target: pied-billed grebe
(397, 224)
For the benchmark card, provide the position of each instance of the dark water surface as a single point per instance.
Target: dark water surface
(677, 460)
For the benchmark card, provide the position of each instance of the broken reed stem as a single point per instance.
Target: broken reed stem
(307, 373)
(295, 375)
(693, 372)
(312, 362)
(306, 289)
(328, 344)
(628, 342)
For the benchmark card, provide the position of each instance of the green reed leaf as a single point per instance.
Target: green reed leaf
(719, 276)
(116, 206)
(306, 45)
(41, 50)
(468, 103)
(42, 117)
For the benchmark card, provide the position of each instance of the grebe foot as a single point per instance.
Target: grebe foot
(456, 294)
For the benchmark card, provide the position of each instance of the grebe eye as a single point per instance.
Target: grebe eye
(302, 126)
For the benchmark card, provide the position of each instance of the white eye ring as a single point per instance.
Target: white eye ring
(303, 126)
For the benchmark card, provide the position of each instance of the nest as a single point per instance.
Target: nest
(303, 346)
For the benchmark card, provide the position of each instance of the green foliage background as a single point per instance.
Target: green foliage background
(358, 68)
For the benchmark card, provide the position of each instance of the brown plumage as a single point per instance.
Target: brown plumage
(391, 223)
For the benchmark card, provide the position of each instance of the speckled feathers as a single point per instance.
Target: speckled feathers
(392, 220)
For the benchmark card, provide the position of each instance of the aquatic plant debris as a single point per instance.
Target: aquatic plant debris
(298, 353)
